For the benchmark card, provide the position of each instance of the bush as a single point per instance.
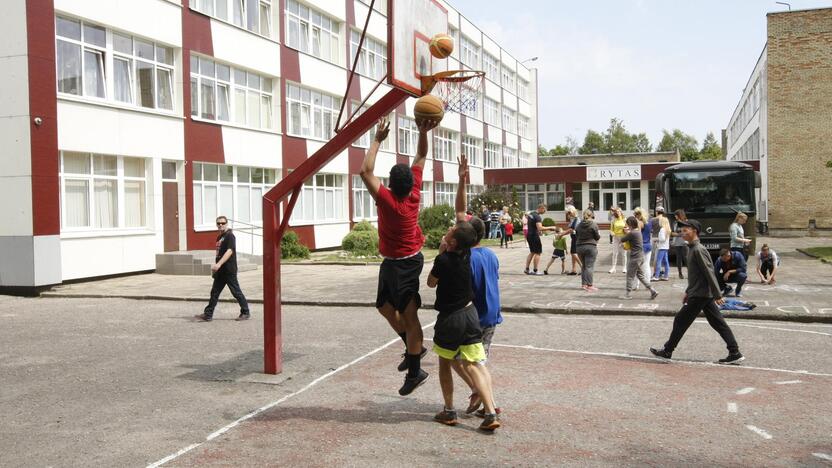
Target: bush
(518, 227)
(437, 217)
(364, 226)
(434, 237)
(290, 246)
(361, 243)
(498, 196)
(548, 222)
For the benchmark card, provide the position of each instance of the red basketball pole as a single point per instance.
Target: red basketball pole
(274, 226)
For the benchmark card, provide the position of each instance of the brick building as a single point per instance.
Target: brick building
(784, 120)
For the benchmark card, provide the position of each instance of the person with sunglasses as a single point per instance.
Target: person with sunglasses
(224, 272)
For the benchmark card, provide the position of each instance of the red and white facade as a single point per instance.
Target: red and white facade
(128, 126)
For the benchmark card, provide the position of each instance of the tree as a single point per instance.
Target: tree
(710, 148)
(541, 151)
(617, 139)
(593, 143)
(559, 150)
(679, 140)
(572, 144)
(642, 143)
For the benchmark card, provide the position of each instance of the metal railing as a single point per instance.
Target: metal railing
(251, 228)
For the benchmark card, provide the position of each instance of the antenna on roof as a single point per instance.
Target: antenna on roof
(784, 3)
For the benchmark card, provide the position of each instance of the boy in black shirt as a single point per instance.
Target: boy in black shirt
(224, 272)
(457, 335)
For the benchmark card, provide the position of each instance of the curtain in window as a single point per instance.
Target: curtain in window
(243, 204)
(122, 80)
(164, 86)
(144, 79)
(238, 12)
(222, 9)
(210, 201)
(227, 201)
(240, 106)
(265, 19)
(134, 203)
(206, 91)
(252, 10)
(293, 33)
(253, 109)
(106, 201)
(93, 73)
(257, 204)
(198, 205)
(222, 102)
(266, 116)
(76, 203)
(69, 68)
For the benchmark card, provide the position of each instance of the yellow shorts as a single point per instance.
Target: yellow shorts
(471, 353)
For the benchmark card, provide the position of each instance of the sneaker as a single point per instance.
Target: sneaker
(625, 297)
(660, 352)
(728, 290)
(203, 318)
(545, 272)
(624, 271)
(412, 383)
(572, 273)
(474, 402)
(653, 294)
(481, 412)
(591, 288)
(490, 422)
(243, 317)
(681, 276)
(447, 417)
(732, 359)
(403, 365)
(612, 271)
(664, 279)
(526, 271)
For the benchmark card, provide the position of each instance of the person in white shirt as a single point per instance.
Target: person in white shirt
(767, 264)
(663, 248)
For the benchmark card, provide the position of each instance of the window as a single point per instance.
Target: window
(426, 198)
(509, 157)
(454, 33)
(470, 54)
(578, 196)
(492, 156)
(446, 193)
(408, 136)
(555, 197)
(491, 111)
(524, 159)
(254, 15)
(225, 94)
(595, 195)
(102, 191)
(523, 89)
(322, 199)
(509, 120)
(367, 138)
(475, 109)
(380, 7)
(444, 145)
(80, 57)
(232, 191)
(311, 113)
(472, 148)
(491, 67)
(635, 194)
(373, 59)
(523, 126)
(535, 195)
(363, 205)
(312, 32)
(509, 79)
(471, 191)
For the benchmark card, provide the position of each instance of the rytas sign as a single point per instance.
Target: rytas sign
(608, 173)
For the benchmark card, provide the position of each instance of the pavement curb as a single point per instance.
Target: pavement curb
(808, 254)
(746, 315)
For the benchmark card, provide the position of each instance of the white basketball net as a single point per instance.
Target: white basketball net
(460, 92)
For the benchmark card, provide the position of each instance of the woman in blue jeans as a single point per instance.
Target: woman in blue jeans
(662, 270)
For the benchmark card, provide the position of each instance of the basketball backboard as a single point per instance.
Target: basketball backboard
(411, 25)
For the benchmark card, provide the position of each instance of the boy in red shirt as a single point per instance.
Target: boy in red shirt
(400, 243)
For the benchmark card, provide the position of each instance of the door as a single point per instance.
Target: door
(170, 214)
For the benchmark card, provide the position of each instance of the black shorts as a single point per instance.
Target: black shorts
(535, 246)
(573, 248)
(561, 254)
(398, 282)
(458, 328)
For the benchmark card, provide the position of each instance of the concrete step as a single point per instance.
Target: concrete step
(197, 262)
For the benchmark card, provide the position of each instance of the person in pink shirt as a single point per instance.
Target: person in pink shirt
(400, 243)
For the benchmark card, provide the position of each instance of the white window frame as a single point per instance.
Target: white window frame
(523, 159)
(251, 22)
(509, 79)
(509, 157)
(493, 156)
(426, 198)
(491, 111)
(408, 136)
(312, 25)
(203, 221)
(316, 112)
(522, 126)
(445, 145)
(470, 56)
(242, 87)
(491, 66)
(446, 193)
(361, 199)
(364, 140)
(509, 120)
(523, 89)
(372, 62)
(312, 192)
(472, 148)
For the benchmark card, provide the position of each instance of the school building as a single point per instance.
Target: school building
(128, 126)
(784, 121)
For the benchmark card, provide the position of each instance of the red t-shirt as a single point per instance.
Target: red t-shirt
(509, 229)
(399, 234)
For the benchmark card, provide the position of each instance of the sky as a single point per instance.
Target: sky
(655, 64)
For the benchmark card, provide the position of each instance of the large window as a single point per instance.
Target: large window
(444, 145)
(373, 59)
(322, 199)
(470, 54)
(408, 136)
(102, 192)
(472, 148)
(364, 140)
(509, 79)
(225, 94)
(254, 15)
(555, 197)
(523, 89)
(446, 193)
(363, 205)
(509, 120)
(523, 160)
(313, 32)
(232, 191)
(426, 198)
(454, 33)
(475, 109)
(472, 191)
(492, 156)
(523, 126)
(509, 157)
(491, 111)
(311, 113)
(491, 67)
(141, 73)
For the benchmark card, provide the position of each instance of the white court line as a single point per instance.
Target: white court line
(788, 382)
(823, 456)
(254, 413)
(732, 407)
(648, 358)
(759, 432)
(737, 322)
(745, 391)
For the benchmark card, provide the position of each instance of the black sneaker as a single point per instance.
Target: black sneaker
(660, 352)
(411, 383)
(203, 318)
(447, 417)
(734, 358)
(490, 422)
(243, 317)
(403, 365)
(653, 294)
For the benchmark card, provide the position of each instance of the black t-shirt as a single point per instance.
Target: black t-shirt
(453, 270)
(534, 218)
(227, 241)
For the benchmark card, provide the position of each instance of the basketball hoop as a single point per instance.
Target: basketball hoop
(458, 89)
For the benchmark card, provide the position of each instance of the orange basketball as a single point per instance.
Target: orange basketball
(429, 107)
(441, 46)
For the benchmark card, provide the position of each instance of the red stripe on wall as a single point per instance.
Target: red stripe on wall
(196, 32)
(43, 103)
(438, 172)
(306, 235)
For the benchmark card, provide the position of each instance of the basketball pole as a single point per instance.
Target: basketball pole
(274, 225)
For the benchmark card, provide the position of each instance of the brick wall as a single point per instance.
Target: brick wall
(799, 119)
(614, 158)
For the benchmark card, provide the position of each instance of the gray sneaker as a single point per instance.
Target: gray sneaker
(653, 294)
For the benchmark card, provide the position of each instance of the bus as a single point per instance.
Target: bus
(711, 192)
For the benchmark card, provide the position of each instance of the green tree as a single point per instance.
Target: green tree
(559, 150)
(593, 143)
(542, 151)
(617, 139)
(710, 148)
(679, 140)
(642, 143)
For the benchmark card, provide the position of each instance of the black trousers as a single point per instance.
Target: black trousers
(688, 313)
(220, 281)
(767, 268)
(681, 256)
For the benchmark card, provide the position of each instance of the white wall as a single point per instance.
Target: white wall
(247, 147)
(154, 19)
(235, 46)
(108, 255)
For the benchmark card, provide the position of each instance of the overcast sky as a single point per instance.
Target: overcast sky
(656, 64)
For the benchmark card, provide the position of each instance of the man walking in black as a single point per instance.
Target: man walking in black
(703, 294)
(224, 272)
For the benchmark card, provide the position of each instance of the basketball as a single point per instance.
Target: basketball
(429, 107)
(441, 46)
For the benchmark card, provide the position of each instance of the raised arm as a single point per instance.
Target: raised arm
(422, 149)
(369, 164)
(460, 191)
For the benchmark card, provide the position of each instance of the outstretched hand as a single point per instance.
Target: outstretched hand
(382, 129)
(463, 168)
(426, 125)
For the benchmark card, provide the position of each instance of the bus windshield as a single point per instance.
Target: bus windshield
(727, 191)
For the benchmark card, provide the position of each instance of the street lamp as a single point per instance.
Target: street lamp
(533, 59)
(786, 4)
